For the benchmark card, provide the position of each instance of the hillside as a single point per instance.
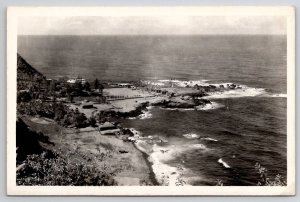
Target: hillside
(28, 76)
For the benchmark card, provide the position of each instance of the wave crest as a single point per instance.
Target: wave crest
(191, 136)
(223, 163)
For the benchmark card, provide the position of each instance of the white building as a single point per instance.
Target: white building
(73, 81)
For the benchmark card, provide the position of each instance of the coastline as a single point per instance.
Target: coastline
(152, 175)
(129, 165)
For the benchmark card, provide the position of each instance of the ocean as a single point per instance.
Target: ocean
(209, 145)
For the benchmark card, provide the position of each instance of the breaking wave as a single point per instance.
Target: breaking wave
(223, 163)
(237, 93)
(177, 109)
(145, 115)
(209, 139)
(209, 106)
(191, 136)
(277, 95)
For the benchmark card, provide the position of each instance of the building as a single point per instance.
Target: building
(78, 80)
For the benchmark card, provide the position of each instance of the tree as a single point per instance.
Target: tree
(52, 86)
(70, 97)
(96, 84)
(78, 87)
(86, 86)
(23, 96)
(37, 79)
(101, 87)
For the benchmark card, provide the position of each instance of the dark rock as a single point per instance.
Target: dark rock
(202, 101)
(179, 105)
(123, 151)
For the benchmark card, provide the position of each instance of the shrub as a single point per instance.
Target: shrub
(92, 121)
(265, 180)
(58, 169)
(57, 111)
(23, 96)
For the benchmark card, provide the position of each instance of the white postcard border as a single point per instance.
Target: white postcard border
(12, 20)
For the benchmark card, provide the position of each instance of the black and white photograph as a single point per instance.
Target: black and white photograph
(134, 101)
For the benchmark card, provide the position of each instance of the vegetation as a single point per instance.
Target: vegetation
(96, 84)
(28, 141)
(265, 180)
(40, 164)
(55, 110)
(28, 76)
(57, 168)
(37, 160)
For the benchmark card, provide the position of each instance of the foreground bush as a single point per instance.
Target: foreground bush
(265, 180)
(59, 169)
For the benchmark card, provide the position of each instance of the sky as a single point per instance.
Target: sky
(152, 25)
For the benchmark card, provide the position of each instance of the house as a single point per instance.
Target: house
(108, 128)
(124, 85)
(78, 80)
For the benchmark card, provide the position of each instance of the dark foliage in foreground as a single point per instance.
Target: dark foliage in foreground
(59, 169)
(28, 141)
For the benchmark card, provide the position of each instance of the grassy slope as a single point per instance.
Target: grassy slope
(129, 168)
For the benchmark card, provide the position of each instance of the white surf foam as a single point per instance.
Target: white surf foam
(277, 95)
(178, 109)
(198, 146)
(172, 175)
(135, 132)
(145, 115)
(178, 83)
(237, 93)
(189, 83)
(223, 163)
(165, 174)
(209, 139)
(154, 83)
(209, 106)
(191, 136)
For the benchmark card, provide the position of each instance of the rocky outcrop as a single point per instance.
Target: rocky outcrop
(181, 105)
(201, 102)
(113, 115)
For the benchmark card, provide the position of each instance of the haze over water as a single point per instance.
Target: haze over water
(247, 129)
